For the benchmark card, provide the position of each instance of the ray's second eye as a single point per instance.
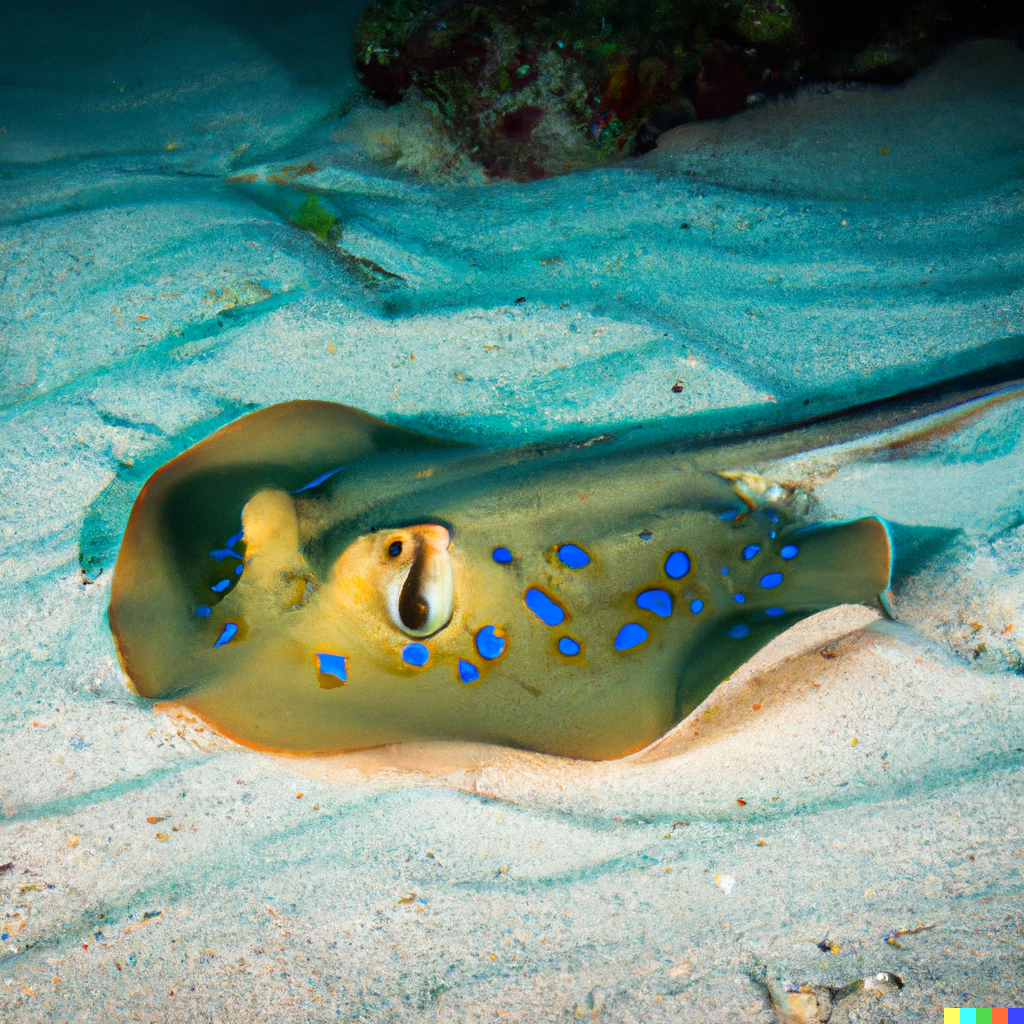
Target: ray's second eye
(395, 548)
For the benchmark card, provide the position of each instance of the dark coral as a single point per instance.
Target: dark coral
(537, 87)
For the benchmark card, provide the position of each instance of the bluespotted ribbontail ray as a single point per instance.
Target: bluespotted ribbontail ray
(385, 587)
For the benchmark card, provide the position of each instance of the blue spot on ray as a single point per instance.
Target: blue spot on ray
(219, 588)
(230, 629)
(319, 480)
(415, 654)
(543, 607)
(677, 565)
(232, 541)
(696, 606)
(739, 598)
(789, 551)
(738, 631)
(573, 557)
(468, 672)
(771, 579)
(631, 635)
(773, 612)
(657, 601)
(568, 646)
(203, 610)
(725, 570)
(502, 556)
(750, 550)
(221, 553)
(489, 644)
(332, 665)
(238, 570)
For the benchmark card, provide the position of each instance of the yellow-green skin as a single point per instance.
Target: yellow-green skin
(315, 574)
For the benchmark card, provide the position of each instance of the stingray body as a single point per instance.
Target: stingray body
(312, 579)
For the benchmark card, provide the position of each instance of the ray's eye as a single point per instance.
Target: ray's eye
(395, 548)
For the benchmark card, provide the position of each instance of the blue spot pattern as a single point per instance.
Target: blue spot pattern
(502, 556)
(750, 550)
(416, 654)
(203, 610)
(739, 598)
(657, 601)
(319, 480)
(232, 541)
(771, 580)
(789, 551)
(468, 672)
(738, 631)
(725, 570)
(677, 565)
(573, 557)
(221, 553)
(631, 635)
(230, 629)
(238, 570)
(696, 606)
(774, 612)
(568, 646)
(219, 588)
(332, 665)
(489, 644)
(543, 607)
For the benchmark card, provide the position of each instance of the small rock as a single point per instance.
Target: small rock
(800, 1004)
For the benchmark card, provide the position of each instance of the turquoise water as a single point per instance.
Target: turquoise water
(146, 299)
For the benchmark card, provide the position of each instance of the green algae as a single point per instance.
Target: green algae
(311, 216)
(773, 22)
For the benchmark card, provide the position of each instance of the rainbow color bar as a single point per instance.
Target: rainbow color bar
(1012, 1015)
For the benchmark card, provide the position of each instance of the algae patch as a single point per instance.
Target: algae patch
(313, 217)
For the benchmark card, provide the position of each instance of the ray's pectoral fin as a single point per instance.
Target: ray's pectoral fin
(164, 602)
(826, 566)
